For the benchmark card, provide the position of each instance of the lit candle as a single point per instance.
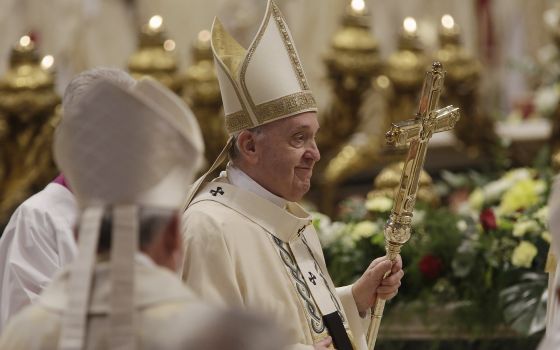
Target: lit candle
(169, 45)
(155, 22)
(204, 35)
(358, 6)
(409, 25)
(47, 62)
(25, 41)
(447, 22)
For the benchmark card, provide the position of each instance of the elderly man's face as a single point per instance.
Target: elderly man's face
(286, 153)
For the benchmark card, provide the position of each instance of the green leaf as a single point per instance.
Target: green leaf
(524, 304)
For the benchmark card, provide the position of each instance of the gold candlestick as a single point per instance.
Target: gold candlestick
(476, 133)
(352, 61)
(28, 115)
(201, 90)
(416, 133)
(155, 56)
(395, 92)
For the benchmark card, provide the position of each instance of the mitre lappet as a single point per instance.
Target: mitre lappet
(259, 84)
(121, 150)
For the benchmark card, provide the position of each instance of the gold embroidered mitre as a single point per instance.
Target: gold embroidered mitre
(264, 82)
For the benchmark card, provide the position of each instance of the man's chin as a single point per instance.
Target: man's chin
(301, 191)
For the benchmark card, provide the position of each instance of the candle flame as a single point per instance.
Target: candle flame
(447, 21)
(47, 62)
(358, 5)
(155, 22)
(169, 45)
(409, 25)
(204, 35)
(25, 41)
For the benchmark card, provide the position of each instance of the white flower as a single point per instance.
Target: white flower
(418, 217)
(331, 233)
(542, 215)
(379, 204)
(546, 236)
(494, 190)
(524, 254)
(328, 232)
(520, 228)
(540, 187)
(546, 99)
(462, 225)
(364, 229)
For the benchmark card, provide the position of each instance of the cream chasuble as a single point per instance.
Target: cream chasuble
(245, 250)
(167, 314)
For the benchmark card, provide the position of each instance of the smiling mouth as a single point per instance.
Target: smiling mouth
(307, 171)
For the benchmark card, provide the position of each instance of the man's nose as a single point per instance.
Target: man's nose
(314, 151)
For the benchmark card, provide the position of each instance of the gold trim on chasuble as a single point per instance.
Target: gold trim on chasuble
(314, 317)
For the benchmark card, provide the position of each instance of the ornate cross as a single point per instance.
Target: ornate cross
(217, 191)
(312, 278)
(416, 132)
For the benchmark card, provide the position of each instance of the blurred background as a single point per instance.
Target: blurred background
(478, 263)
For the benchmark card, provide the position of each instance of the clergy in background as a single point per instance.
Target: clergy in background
(38, 240)
(247, 242)
(126, 154)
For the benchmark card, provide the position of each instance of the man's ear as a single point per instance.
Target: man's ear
(246, 145)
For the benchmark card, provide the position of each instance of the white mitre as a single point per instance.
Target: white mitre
(264, 82)
(121, 150)
(260, 84)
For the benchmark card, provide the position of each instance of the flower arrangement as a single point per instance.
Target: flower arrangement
(484, 254)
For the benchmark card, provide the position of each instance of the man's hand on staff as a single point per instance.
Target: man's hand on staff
(371, 284)
(323, 344)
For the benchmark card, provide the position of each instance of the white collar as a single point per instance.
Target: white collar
(239, 178)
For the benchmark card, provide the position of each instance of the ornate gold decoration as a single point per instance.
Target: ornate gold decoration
(290, 47)
(353, 60)
(201, 90)
(155, 56)
(237, 121)
(405, 70)
(476, 133)
(387, 182)
(391, 99)
(287, 105)
(415, 134)
(272, 110)
(28, 115)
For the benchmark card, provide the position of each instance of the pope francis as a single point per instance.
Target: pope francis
(247, 242)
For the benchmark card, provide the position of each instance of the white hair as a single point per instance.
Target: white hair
(81, 83)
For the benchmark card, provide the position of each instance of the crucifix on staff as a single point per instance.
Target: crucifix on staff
(416, 133)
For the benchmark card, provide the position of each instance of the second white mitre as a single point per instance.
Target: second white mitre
(121, 150)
